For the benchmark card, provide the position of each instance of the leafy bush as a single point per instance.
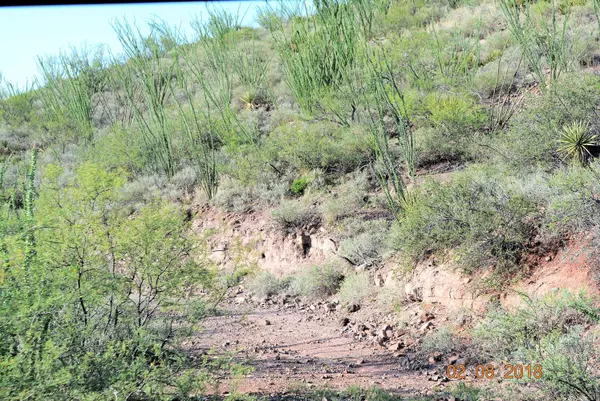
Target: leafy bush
(454, 120)
(356, 287)
(531, 139)
(240, 197)
(570, 208)
(454, 113)
(363, 241)
(316, 282)
(299, 185)
(293, 215)
(442, 340)
(515, 334)
(487, 221)
(265, 284)
(346, 199)
(407, 14)
(325, 146)
(549, 332)
(18, 109)
(75, 308)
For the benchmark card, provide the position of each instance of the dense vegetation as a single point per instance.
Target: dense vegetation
(322, 114)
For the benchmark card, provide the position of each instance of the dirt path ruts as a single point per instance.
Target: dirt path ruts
(291, 348)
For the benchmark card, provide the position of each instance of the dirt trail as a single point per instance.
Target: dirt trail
(292, 348)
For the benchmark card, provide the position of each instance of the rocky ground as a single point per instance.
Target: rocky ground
(292, 345)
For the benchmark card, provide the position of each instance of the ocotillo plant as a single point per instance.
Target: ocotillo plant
(147, 75)
(211, 66)
(201, 132)
(386, 99)
(538, 38)
(28, 205)
(70, 82)
(318, 50)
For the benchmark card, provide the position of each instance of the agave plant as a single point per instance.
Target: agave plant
(576, 140)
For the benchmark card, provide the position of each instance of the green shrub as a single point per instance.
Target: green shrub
(356, 287)
(518, 334)
(531, 140)
(346, 199)
(454, 113)
(316, 282)
(442, 340)
(323, 145)
(299, 185)
(453, 121)
(486, 221)
(18, 109)
(363, 241)
(241, 197)
(411, 14)
(293, 215)
(549, 332)
(265, 284)
(391, 298)
(570, 208)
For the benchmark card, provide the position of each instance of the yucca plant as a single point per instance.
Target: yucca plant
(576, 140)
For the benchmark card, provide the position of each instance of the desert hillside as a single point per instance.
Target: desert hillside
(357, 200)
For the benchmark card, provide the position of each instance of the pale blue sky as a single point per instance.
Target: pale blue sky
(27, 32)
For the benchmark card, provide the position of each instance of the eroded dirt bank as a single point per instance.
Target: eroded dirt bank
(296, 344)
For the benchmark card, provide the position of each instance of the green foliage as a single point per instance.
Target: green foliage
(300, 146)
(250, 65)
(146, 79)
(316, 282)
(16, 104)
(352, 393)
(456, 56)
(356, 287)
(70, 83)
(363, 242)
(319, 48)
(454, 120)
(120, 147)
(486, 220)
(406, 14)
(293, 215)
(92, 312)
(265, 284)
(538, 38)
(346, 200)
(442, 340)
(299, 185)
(548, 332)
(388, 99)
(576, 140)
(531, 139)
(469, 392)
(507, 334)
(453, 113)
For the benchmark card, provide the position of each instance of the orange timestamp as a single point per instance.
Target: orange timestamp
(491, 371)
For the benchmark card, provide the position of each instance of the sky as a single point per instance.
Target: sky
(28, 32)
